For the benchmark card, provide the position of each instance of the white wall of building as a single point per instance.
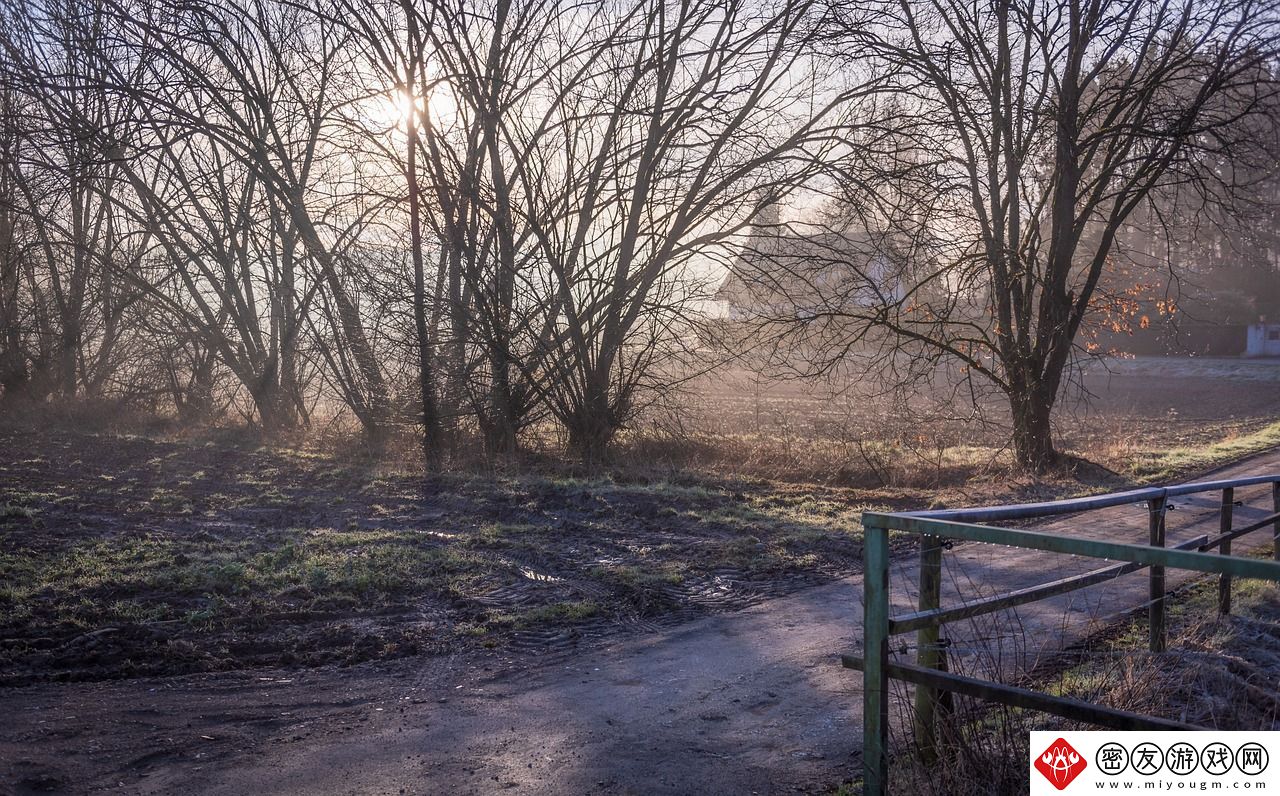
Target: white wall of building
(1264, 340)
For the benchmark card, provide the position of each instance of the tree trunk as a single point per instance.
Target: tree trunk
(589, 438)
(375, 409)
(194, 401)
(1033, 446)
(501, 434)
(431, 427)
(13, 374)
(500, 428)
(592, 427)
(276, 410)
(68, 350)
(454, 388)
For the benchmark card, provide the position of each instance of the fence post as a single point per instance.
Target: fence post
(1275, 506)
(875, 677)
(1156, 510)
(928, 652)
(1224, 526)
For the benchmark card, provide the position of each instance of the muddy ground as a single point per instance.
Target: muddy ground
(126, 555)
(750, 701)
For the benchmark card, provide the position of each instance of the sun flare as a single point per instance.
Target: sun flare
(393, 109)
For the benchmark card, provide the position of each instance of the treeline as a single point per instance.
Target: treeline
(478, 218)
(468, 217)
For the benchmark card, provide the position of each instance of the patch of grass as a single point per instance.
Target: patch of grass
(557, 613)
(165, 499)
(272, 497)
(457, 558)
(503, 536)
(22, 496)
(1162, 465)
(18, 504)
(15, 511)
(632, 577)
(644, 590)
(143, 579)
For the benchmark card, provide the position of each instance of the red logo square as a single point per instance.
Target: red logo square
(1060, 763)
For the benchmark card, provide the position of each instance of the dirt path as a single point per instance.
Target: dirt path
(753, 701)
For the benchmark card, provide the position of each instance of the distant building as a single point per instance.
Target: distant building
(1263, 339)
(780, 274)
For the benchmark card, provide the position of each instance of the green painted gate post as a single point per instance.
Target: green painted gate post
(1156, 508)
(875, 678)
(1224, 526)
(1275, 505)
(928, 653)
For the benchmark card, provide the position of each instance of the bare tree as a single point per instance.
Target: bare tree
(16, 357)
(477, 318)
(660, 128)
(57, 184)
(259, 81)
(537, 231)
(594, 158)
(1009, 145)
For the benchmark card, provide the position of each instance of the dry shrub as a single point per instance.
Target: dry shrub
(980, 750)
(1219, 672)
(92, 415)
(847, 445)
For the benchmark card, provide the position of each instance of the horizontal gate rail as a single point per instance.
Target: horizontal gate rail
(1090, 548)
(939, 616)
(1238, 532)
(1066, 707)
(1024, 511)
